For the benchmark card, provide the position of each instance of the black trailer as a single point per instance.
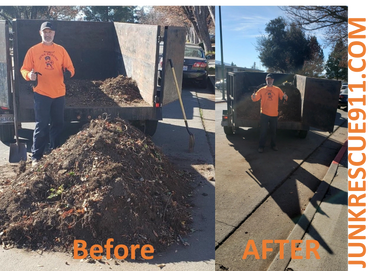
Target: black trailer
(319, 97)
(99, 50)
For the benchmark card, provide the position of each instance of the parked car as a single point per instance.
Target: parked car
(219, 84)
(343, 97)
(195, 66)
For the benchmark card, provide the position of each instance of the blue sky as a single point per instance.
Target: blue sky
(241, 25)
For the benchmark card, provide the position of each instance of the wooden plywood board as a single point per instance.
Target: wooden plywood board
(4, 65)
(138, 45)
(174, 48)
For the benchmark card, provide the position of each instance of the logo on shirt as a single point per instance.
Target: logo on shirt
(49, 63)
(270, 95)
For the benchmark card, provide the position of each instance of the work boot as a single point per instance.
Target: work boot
(35, 162)
(274, 148)
(260, 150)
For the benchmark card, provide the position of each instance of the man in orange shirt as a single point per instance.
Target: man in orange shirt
(269, 96)
(47, 65)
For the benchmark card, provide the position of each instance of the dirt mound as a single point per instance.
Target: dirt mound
(107, 181)
(119, 91)
(290, 110)
(247, 109)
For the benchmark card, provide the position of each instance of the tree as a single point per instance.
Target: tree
(285, 48)
(314, 67)
(297, 47)
(9, 13)
(164, 15)
(91, 13)
(335, 67)
(198, 17)
(198, 21)
(109, 12)
(332, 20)
(271, 48)
(212, 13)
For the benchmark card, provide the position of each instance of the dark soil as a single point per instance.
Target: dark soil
(107, 181)
(290, 110)
(119, 91)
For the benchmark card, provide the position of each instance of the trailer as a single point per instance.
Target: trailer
(99, 50)
(317, 104)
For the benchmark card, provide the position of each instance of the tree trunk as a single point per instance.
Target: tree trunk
(198, 17)
(211, 10)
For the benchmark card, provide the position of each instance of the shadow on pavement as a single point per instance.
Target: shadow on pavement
(279, 173)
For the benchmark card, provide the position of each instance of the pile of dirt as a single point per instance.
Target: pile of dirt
(107, 181)
(288, 110)
(119, 91)
(246, 108)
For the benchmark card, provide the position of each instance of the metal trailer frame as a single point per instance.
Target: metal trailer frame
(99, 50)
(319, 97)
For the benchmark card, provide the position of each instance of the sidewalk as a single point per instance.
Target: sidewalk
(324, 220)
(218, 96)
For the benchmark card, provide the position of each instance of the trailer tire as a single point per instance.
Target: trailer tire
(302, 133)
(229, 130)
(150, 127)
(7, 132)
(204, 82)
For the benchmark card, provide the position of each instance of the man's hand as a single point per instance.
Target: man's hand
(32, 75)
(67, 75)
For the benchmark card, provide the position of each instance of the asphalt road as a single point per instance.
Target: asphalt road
(261, 196)
(173, 138)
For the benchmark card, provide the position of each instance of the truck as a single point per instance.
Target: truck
(317, 108)
(99, 50)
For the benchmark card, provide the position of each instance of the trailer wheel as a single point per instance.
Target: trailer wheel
(229, 130)
(302, 133)
(7, 132)
(150, 127)
(204, 82)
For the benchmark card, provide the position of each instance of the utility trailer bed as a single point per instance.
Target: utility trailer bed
(99, 50)
(318, 103)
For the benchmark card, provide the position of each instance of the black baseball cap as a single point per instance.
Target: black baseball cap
(269, 76)
(46, 25)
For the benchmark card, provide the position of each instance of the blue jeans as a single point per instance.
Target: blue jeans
(49, 117)
(264, 122)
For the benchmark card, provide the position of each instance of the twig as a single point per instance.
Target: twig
(165, 208)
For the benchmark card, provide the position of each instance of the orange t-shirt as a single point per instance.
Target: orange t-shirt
(50, 61)
(269, 97)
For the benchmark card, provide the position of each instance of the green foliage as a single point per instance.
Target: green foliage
(336, 66)
(102, 12)
(285, 48)
(298, 48)
(210, 53)
(110, 13)
(54, 193)
(9, 13)
(272, 48)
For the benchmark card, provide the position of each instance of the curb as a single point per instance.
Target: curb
(218, 97)
(304, 222)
